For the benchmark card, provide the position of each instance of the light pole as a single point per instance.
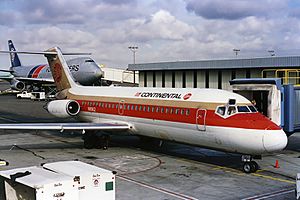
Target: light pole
(236, 51)
(271, 52)
(134, 50)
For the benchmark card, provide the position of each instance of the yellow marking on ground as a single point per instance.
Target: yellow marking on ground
(273, 178)
(233, 171)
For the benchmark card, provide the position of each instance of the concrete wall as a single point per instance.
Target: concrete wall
(149, 79)
(158, 75)
(168, 79)
(226, 77)
(189, 79)
(213, 79)
(201, 79)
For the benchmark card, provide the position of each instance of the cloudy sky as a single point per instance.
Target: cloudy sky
(163, 30)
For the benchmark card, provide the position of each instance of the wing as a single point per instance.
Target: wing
(39, 80)
(64, 126)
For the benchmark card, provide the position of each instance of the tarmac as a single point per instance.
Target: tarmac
(174, 171)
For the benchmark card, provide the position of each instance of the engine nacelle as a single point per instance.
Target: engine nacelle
(63, 108)
(17, 85)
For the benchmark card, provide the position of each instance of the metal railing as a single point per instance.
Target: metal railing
(287, 76)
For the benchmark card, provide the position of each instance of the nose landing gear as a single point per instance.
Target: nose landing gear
(249, 166)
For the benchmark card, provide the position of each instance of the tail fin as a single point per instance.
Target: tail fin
(59, 69)
(14, 58)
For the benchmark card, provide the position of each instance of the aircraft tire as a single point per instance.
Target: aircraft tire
(254, 166)
(247, 167)
(250, 167)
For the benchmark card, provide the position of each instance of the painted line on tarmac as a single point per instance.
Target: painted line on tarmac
(270, 195)
(273, 178)
(158, 189)
(7, 119)
(236, 172)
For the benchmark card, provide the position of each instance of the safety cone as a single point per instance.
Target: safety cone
(276, 164)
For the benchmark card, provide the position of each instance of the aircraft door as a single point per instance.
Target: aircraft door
(121, 107)
(200, 119)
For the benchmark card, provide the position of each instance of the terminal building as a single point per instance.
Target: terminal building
(272, 82)
(215, 73)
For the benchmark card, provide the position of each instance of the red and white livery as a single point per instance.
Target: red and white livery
(211, 118)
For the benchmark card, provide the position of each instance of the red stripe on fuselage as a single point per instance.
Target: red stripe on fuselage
(179, 114)
(37, 71)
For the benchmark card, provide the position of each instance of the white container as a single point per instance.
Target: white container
(93, 183)
(38, 184)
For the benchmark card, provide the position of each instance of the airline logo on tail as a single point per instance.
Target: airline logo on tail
(57, 74)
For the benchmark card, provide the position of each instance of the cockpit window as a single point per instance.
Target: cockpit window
(243, 109)
(221, 110)
(89, 60)
(231, 110)
(252, 108)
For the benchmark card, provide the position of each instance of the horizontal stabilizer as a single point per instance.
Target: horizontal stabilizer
(64, 126)
(6, 70)
(45, 52)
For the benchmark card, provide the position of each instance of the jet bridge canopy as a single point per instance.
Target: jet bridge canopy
(279, 102)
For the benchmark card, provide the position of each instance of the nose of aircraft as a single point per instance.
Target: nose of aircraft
(98, 72)
(275, 140)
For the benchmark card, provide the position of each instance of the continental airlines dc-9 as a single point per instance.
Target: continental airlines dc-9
(210, 118)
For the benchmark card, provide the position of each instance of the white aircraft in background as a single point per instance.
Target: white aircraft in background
(210, 118)
(84, 70)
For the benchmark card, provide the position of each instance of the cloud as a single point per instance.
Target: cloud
(65, 12)
(234, 9)
(162, 26)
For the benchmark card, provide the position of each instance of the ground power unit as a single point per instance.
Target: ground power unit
(93, 183)
(36, 183)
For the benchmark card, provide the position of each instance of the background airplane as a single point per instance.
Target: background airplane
(211, 118)
(84, 70)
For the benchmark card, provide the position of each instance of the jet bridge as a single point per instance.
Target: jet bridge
(277, 101)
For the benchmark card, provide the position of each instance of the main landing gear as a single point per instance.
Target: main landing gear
(249, 165)
(92, 140)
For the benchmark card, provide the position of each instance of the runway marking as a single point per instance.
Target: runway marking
(270, 195)
(158, 189)
(233, 171)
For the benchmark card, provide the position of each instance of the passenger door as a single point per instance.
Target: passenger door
(201, 119)
(121, 107)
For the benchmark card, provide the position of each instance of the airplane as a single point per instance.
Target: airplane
(210, 118)
(83, 69)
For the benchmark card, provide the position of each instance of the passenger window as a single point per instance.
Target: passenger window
(162, 110)
(231, 110)
(96, 103)
(148, 109)
(171, 110)
(141, 107)
(182, 111)
(187, 112)
(136, 108)
(132, 107)
(167, 110)
(221, 110)
(153, 108)
(243, 109)
(176, 111)
(113, 106)
(252, 108)
(128, 107)
(117, 106)
(157, 109)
